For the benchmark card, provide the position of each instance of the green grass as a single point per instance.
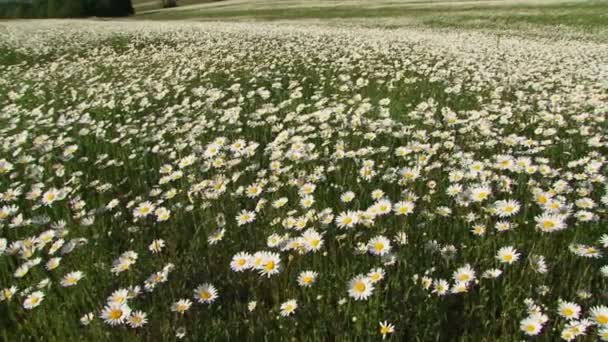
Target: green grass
(583, 15)
(456, 97)
(149, 5)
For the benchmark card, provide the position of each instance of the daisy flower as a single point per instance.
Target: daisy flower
(549, 223)
(143, 209)
(115, 313)
(156, 246)
(205, 293)
(347, 196)
(600, 315)
(507, 255)
(379, 245)
(375, 275)
(347, 220)
(245, 217)
(240, 262)
(270, 264)
(137, 319)
(289, 307)
(307, 278)
(403, 208)
(464, 274)
(569, 310)
(181, 306)
(71, 278)
(33, 300)
(386, 328)
(360, 287)
(530, 326)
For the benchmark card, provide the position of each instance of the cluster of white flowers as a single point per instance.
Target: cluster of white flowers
(300, 168)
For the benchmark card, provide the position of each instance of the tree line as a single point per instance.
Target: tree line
(65, 8)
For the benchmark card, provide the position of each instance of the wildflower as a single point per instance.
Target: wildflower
(71, 278)
(375, 275)
(550, 223)
(379, 245)
(347, 196)
(507, 208)
(115, 313)
(143, 209)
(347, 220)
(569, 310)
(205, 293)
(403, 208)
(137, 319)
(181, 306)
(87, 318)
(157, 246)
(386, 328)
(360, 287)
(530, 326)
(270, 264)
(307, 278)
(251, 305)
(33, 300)
(240, 262)
(600, 315)
(289, 307)
(245, 217)
(464, 274)
(507, 255)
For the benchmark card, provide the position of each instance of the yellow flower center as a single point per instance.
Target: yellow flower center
(115, 314)
(360, 286)
(269, 266)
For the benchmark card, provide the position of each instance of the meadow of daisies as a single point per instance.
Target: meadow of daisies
(256, 181)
